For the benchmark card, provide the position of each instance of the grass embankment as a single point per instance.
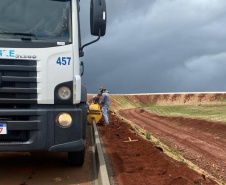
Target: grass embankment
(120, 102)
(206, 112)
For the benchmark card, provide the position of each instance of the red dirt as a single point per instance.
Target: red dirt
(141, 162)
(178, 99)
(199, 141)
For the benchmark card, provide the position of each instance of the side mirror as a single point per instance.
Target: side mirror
(98, 17)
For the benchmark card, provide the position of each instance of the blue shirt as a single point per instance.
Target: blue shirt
(105, 100)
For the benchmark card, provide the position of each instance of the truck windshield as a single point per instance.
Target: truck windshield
(48, 20)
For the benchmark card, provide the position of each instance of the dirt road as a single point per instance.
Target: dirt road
(43, 168)
(200, 141)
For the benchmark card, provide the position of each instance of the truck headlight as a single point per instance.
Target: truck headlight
(64, 119)
(64, 93)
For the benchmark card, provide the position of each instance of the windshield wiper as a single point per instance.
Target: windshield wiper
(19, 33)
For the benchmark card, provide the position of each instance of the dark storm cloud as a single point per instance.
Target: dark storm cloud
(159, 46)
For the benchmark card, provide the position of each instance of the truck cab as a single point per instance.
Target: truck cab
(42, 99)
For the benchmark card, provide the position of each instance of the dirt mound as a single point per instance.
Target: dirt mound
(199, 141)
(140, 162)
(174, 99)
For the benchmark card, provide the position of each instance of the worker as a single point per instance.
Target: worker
(96, 98)
(105, 104)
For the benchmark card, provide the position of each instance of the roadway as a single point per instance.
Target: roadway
(46, 168)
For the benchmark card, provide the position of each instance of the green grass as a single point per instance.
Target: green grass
(222, 182)
(192, 167)
(179, 123)
(148, 135)
(208, 112)
(158, 143)
(175, 151)
(222, 100)
(137, 128)
(142, 105)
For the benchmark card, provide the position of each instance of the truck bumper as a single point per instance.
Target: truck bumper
(37, 129)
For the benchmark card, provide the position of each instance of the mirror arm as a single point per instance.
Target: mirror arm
(81, 53)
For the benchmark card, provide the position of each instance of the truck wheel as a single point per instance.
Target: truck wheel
(76, 158)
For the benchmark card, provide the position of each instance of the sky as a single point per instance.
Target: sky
(157, 46)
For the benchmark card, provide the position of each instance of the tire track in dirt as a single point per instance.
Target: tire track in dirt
(179, 134)
(184, 134)
(200, 148)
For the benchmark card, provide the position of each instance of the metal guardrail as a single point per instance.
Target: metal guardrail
(101, 173)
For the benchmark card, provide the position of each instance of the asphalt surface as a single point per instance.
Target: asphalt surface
(45, 168)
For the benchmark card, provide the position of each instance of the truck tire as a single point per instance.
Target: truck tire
(76, 158)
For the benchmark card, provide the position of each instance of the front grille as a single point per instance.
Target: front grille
(15, 136)
(18, 81)
(20, 123)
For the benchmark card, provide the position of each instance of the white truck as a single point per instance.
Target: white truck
(42, 99)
